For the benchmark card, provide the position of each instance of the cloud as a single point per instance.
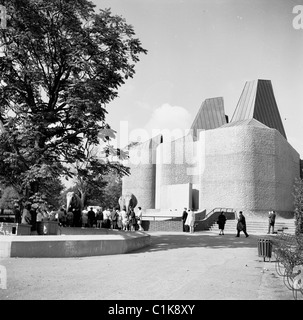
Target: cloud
(174, 119)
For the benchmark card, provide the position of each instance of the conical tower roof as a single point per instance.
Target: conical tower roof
(211, 115)
(258, 102)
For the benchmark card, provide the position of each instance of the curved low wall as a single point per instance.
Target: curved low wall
(61, 246)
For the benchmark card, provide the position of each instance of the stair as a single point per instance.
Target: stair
(257, 226)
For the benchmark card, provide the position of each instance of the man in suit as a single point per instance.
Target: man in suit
(91, 217)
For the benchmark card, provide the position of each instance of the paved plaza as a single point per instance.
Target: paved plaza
(176, 266)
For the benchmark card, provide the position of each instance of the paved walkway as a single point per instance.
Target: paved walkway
(199, 266)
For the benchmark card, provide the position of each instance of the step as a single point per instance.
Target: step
(257, 226)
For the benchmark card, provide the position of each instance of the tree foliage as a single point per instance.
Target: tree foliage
(298, 204)
(61, 64)
(8, 196)
(105, 191)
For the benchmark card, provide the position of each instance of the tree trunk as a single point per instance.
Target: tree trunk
(82, 198)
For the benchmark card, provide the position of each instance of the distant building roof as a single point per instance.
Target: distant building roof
(258, 101)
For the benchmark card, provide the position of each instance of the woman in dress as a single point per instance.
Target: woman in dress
(190, 221)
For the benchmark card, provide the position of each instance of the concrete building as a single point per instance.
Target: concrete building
(245, 164)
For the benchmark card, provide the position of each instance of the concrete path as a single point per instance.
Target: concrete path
(181, 266)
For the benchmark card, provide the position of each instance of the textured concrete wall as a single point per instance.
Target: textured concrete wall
(177, 161)
(177, 165)
(141, 183)
(142, 179)
(248, 168)
(244, 167)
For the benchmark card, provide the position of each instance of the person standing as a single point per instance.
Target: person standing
(184, 216)
(99, 218)
(132, 219)
(33, 213)
(84, 219)
(114, 216)
(124, 217)
(17, 213)
(221, 223)
(271, 221)
(119, 222)
(190, 220)
(139, 219)
(62, 217)
(91, 217)
(106, 218)
(39, 220)
(70, 218)
(77, 217)
(241, 225)
(26, 216)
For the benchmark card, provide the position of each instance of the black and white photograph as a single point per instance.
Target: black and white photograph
(150, 153)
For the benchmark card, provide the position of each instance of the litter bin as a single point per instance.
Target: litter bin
(264, 248)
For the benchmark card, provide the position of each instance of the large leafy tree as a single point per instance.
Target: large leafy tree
(61, 63)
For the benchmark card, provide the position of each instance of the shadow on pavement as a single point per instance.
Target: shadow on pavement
(166, 241)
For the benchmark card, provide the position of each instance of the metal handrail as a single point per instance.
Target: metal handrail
(216, 210)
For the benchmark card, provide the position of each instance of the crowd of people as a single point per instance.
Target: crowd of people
(111, 218)
(34, 213)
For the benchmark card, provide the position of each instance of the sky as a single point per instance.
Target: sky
(200, 49)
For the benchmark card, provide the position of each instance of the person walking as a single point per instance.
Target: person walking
(241, 225)
(184, 216)
(271, 221)
(221, 223)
